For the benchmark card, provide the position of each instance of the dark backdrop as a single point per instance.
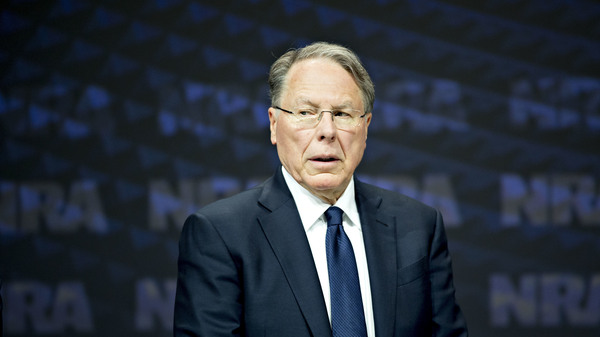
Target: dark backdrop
(119, 118)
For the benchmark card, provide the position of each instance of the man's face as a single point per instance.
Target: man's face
(321, 159)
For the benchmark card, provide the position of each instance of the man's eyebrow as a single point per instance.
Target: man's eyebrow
(344, 105)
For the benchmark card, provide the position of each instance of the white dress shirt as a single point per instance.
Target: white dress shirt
(312, 210)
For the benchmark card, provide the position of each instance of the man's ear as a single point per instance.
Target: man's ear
(273, 125)
(368, 121)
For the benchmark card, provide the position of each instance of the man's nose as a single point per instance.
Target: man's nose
(326, 125)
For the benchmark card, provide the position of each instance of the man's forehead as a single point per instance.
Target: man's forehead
(307, 101)
(302, 82)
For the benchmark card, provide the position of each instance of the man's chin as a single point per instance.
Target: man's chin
(324, 182)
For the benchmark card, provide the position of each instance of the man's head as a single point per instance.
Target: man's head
(328, 80)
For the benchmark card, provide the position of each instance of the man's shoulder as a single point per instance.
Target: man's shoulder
(391, 199)
(264, 197)
(238, 203)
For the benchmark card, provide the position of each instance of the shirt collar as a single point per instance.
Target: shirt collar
(313, 207)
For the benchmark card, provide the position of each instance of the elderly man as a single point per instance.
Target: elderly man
(312, 251)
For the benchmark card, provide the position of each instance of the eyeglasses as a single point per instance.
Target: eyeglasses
(309, 117)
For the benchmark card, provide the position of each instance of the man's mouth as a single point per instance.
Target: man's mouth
(324, 159)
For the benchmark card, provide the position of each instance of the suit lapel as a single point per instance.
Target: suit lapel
(380, 245)
(285, 233)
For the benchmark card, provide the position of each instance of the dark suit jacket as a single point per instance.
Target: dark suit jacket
(245, 268)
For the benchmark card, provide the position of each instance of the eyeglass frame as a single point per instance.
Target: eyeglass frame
(321, 115)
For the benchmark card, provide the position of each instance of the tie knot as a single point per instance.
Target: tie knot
(334, 216)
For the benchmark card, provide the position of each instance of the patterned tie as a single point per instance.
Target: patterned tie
(347, 315)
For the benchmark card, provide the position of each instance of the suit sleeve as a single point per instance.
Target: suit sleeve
(447, 316)
(208, 296)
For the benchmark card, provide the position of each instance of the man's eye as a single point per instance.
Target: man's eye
(342, 114)
(306, 112)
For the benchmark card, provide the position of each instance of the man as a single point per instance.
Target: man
(279, 260)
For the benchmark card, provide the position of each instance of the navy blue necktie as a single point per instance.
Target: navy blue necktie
(347, 315)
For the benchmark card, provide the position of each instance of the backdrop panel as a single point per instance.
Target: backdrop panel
(119, 118)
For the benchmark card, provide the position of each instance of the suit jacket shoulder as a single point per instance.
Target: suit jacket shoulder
(394, 204)
(264, 198)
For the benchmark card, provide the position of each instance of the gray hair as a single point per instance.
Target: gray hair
(339, 54)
